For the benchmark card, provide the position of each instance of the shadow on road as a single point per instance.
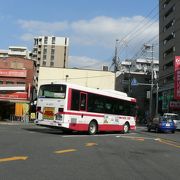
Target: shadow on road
(57, 131)
(48, 131)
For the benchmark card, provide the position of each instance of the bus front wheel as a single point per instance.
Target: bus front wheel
(92, 128)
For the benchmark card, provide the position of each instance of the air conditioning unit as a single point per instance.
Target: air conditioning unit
(105, 68)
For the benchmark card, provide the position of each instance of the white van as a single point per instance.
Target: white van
(174, 117)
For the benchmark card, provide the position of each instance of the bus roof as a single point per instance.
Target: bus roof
(105, 92)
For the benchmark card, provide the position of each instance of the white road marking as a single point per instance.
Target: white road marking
(135, 137)
(97, 135)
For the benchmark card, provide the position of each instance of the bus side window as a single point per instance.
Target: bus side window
(75, 100)
(108, 108)
(83, 101)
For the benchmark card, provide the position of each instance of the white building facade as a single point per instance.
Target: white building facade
(15, 51)
(88, 78)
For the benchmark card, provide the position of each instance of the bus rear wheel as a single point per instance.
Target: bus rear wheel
(92, 128)
(126, 128)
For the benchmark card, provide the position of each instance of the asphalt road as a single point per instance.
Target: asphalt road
(29, 152)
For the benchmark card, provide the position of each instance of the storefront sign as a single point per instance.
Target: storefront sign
(177, 78)
(15, 95)
(13, 73)
(174, 105)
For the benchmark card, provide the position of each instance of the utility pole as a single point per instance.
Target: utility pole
(129, 86)
(152, 81)
(151, 47)
(115, 59)
(157, 97)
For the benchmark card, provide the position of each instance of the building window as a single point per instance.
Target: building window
(45, 51)
(45, 40)
(44, 63)
(169, 12)
(16, 65)
(9, 82)
(168, 65)
(53, 40)
(53, 47)
(52, 51)
(168, 25)
(35, 42)
(51, 63)
(21, 82)
(169, 79)
(44, 57)
(169, 37)
(52, 57)
(166, 3)
(169, 51)
(52, 54)
(1, 82)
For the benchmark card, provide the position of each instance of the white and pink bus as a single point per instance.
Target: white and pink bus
(77, 108)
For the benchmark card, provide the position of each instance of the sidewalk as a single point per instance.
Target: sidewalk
(8, 122)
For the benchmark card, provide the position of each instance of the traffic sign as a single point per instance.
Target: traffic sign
(134, 82)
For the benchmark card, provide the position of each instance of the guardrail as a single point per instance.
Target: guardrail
(24, 118)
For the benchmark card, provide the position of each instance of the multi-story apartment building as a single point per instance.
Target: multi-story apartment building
(50, 51)
(15, 51)
(139, 65)
(169, 47)
(3, 53)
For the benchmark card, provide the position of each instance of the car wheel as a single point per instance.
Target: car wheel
(92, 128)
(173, 131)
(149, 128)
(156, 129)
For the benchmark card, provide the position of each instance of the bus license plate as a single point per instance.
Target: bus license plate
(48, 113)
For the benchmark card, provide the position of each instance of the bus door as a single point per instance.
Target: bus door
(83, 101)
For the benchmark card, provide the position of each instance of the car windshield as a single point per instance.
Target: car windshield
(172, 116)
(166, 119)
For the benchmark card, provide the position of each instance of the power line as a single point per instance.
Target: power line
(151, 40)
(86, 77)
(141, 22)
(140, 29)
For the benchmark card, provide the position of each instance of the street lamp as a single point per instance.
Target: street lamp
(67, 77)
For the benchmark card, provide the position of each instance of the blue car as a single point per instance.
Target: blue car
(162, 124)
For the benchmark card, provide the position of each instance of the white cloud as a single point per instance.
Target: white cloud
(42, 27)
(102, 30)
(27, 37)
(85, 62)
(99, 32)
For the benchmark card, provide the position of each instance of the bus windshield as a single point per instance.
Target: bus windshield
(57, 91)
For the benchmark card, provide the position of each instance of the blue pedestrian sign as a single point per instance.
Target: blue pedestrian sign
(134, 82)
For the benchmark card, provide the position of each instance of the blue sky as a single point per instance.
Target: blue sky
(92, 26)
